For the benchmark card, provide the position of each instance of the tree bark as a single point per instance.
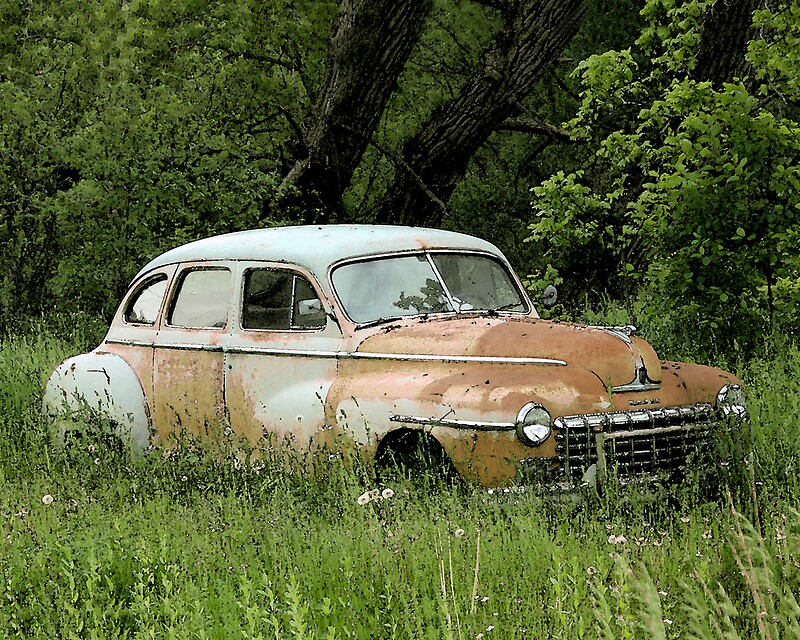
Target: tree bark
(370, 45)
(727, 29)
(533, 34)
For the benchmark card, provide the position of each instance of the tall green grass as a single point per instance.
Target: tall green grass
(94, 544)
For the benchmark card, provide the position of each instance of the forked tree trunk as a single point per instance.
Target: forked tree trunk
(371, 43)
(534, 33)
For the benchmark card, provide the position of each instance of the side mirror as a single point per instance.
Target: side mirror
(550, 296)
(309, 307)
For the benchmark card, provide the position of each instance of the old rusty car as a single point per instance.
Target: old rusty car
(381, 339)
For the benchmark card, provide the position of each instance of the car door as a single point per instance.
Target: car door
(189, 355)
(282, 357)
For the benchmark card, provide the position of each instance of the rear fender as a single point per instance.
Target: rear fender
(98, 384)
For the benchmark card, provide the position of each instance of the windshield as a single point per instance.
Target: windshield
(417, 284)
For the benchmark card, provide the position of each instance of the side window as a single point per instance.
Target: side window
(144, 305)
(202, 298)
(280, 300)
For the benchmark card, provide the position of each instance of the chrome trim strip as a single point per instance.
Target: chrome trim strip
(636, 386)
(174, 345)
(614, 435)
(354, 355)
(194, 347)
(673, 415)
(455, 424)
(130, 343)
(291, 353)
(433, 358)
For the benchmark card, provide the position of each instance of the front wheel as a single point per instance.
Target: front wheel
(414, 457)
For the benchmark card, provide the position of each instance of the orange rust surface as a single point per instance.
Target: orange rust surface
(696, 382)
(489, 458)
(188, 394)
(609, 356)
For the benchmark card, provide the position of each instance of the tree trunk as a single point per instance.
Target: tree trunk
(370, 45)
(534, 33)
(727, 29)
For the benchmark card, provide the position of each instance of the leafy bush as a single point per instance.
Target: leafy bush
(693, 195)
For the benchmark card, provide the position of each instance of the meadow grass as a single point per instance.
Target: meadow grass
(94, 544)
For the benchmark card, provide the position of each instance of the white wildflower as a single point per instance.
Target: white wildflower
(47, 499)
(369, 496)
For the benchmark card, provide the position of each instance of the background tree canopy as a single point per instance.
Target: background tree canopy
(130, 127)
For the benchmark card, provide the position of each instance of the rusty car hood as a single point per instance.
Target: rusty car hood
(613, 357)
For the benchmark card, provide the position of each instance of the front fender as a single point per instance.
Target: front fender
(101, 384)
(458, 405)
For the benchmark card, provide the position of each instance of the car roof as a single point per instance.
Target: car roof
(316, 247)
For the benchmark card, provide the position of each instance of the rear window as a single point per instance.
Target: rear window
(144, 305)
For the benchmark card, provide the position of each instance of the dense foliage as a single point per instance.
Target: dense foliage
(693, 191)
(127, 127)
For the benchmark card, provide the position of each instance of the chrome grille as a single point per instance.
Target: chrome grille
(637, 442)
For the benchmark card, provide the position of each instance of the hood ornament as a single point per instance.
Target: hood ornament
(640, 383)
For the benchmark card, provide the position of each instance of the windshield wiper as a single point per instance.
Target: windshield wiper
(505, 307)
(381, 320)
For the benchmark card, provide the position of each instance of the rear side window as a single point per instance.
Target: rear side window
(280, 301)
(202, 299)
(144, 305)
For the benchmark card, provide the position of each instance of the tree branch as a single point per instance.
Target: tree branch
(530, 125)
(398, 160)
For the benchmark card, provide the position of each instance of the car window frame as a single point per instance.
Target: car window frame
(174, 291)
(295, 272)
(136, 290)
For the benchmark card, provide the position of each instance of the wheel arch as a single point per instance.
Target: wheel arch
(412, 447)
(98, 384)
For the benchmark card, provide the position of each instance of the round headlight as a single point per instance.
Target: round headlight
(732, 400)
(533, 424)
